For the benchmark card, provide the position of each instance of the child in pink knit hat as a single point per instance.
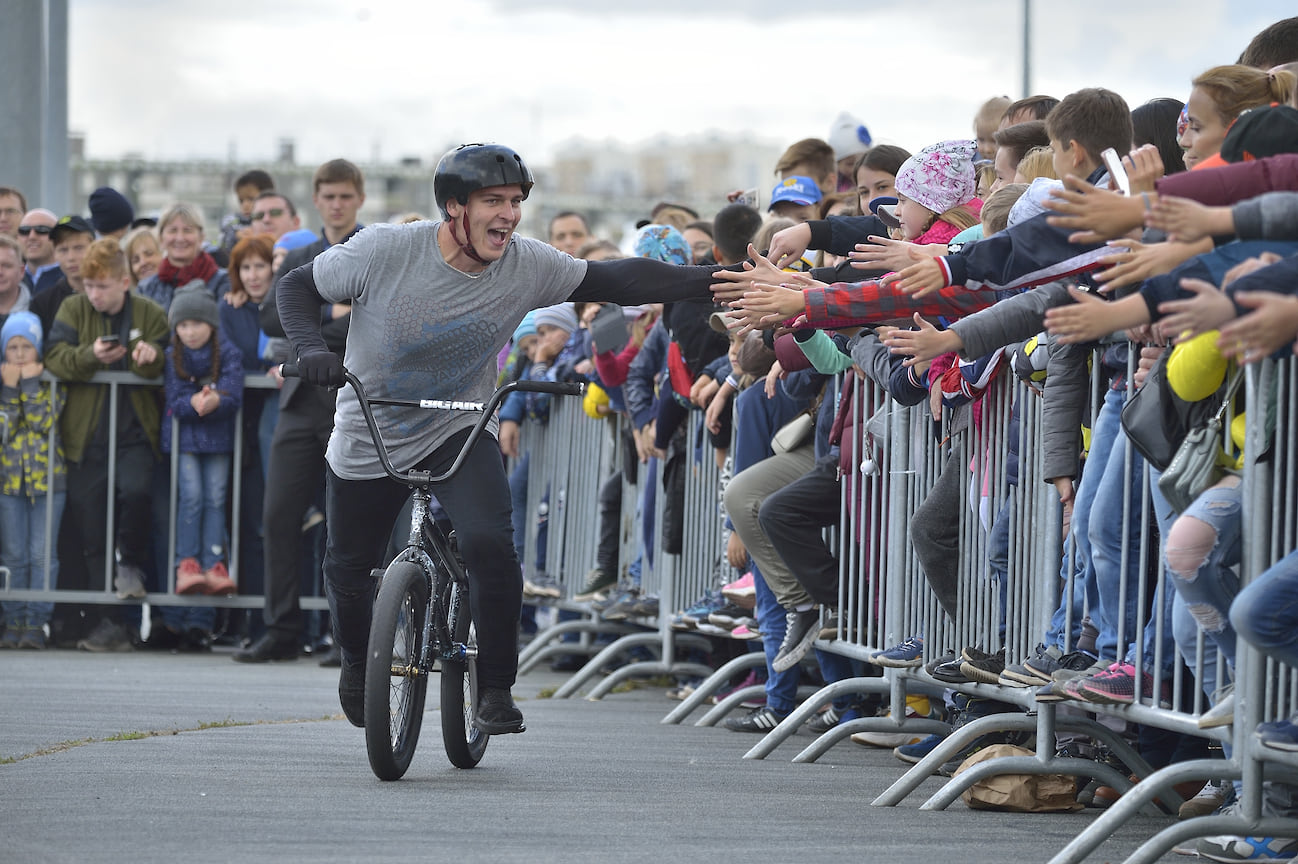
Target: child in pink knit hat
(936, 193)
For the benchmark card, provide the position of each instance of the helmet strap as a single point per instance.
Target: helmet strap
(466, 247)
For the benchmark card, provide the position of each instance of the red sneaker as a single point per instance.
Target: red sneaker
(218, 580)
(189, 577)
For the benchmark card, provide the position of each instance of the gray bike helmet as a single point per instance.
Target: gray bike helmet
(477, 166)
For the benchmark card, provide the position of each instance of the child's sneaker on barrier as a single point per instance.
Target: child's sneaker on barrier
(1061, 679)
(596, 581)
(741, 592)
(730, 616)
(905, 655)
(1026, 674)
(620, 608)
(218, 582)
(913, 753)
(746, 632)
(758, 720)
(129, 583)
(986, 669)
(699, 611)
(189, 577)
(917, 706)
(800, 630)
(1229, 848)
(1117, 686)
(542, 585)
(1278, 735)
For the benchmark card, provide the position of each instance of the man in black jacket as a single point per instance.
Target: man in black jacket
(306, 419)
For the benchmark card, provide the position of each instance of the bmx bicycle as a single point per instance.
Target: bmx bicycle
(421, 620)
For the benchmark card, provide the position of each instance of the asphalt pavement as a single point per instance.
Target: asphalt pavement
(146, 757)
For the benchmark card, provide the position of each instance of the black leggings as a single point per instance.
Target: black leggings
(361, 515)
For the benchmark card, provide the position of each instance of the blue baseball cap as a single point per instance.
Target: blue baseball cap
(796, 190)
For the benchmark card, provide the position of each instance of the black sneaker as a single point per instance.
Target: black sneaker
(107, 636)
(497, 714)
(823, 722)
(731, 616)
(800, 630)
(265, 649)
(986, 670)
(758, 720)
(596, 581)
(351, 692)
(947, 669)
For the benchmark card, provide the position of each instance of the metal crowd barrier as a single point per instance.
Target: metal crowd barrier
(114, 382)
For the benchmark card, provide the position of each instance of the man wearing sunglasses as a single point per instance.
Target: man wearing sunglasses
(274, 215)
(34, 233)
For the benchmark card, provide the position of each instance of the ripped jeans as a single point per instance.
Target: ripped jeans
(1199, 552)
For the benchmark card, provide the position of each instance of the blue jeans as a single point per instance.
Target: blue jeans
(1199, 551)
(1116, 611)
(200, 520)
(1080, 567)
(998, 555)
(781, 687)
(22, 550)
(1265, 613)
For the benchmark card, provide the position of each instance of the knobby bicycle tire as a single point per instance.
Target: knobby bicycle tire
(395, 686)
(465, 743)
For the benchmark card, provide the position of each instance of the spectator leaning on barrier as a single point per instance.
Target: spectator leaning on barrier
(109, 328)
(32, 477)
(295, 470)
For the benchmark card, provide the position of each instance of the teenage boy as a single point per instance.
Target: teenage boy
(106, 328)
(306, 420)
(71, 236)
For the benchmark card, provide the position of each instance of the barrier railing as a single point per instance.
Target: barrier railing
(114, 382)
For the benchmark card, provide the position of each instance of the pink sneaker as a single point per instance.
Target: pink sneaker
(741, 592)
(218, 580)
(189, 577)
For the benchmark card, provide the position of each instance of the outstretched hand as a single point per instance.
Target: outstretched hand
(1093, 214)
(1271, 325)
(883, 253)
(923, 344)
(924, 275)
(787, 246)
(1206, 309)
(1085, 320)
(730, 285)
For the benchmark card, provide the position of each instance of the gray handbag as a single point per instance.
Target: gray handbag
(1196, 465)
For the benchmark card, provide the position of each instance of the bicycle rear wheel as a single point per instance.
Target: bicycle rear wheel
(395, 686)
(465, 743)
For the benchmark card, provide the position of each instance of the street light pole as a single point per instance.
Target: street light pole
(1027, 48)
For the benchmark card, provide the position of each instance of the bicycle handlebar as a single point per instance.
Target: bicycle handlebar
(487, 409)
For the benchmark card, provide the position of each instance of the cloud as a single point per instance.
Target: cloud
(184, 79)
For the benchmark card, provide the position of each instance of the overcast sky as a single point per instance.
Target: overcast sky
(182, 79)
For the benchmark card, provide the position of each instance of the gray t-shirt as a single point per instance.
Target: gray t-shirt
(420, 329)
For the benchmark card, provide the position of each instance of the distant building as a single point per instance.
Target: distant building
(614, 186)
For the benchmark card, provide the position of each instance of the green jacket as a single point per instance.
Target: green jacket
(69, 354)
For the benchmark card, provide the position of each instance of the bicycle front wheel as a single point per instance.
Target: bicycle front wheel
(395, 685)
(465, 743)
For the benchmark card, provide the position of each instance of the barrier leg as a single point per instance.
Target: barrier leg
(791, 724)
(712, 683)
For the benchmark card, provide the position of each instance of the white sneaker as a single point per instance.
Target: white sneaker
(129, 583)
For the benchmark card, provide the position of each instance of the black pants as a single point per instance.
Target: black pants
(87, 499)
(82, 543)
(794, 517)
(360, 517)
(297, 471)
(610, 524)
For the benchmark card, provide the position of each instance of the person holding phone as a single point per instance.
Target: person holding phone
(108, 328)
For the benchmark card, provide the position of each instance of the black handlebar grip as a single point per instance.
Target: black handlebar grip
(288, 370)
(559, 388)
